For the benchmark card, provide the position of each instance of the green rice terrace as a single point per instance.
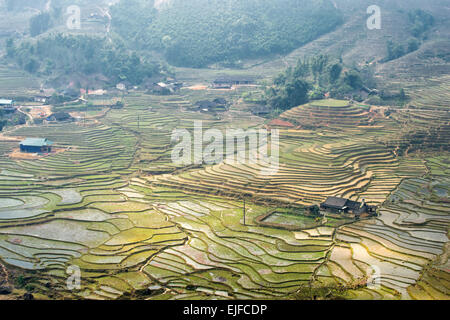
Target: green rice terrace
(141, 227)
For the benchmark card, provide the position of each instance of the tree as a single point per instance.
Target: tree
(394, 51)
(2, 124)
(32, 66)
(289, 93)
(413, 44)
(402, 94)
(314, 210)
(335, 72)
(40, 23)
(10, 49)
(302, 69)
(421, 20)
(297, 92)
(318, 64)
(353, 79)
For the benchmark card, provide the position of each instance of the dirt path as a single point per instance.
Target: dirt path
(4, 276)
(40, 111)
(20, 109)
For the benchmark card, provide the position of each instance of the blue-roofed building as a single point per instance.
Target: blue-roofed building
(7, 105)
(36, 145)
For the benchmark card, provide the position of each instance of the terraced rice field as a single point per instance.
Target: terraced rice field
(139, 226)
(430, 93)
(312, 167)
(410, 232)
(334, 113)
(17, 82)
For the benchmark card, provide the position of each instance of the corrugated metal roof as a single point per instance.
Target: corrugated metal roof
(5, 101)
(236, 78)
(335, 202)
(36, 142)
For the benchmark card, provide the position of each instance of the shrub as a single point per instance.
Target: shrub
(20, 281)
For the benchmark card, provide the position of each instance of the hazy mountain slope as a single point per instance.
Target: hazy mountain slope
(352, 40)
(200, 32)
(358, 45)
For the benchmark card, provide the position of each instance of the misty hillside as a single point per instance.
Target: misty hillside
(134, 40)
(199, 32)
(364, 48)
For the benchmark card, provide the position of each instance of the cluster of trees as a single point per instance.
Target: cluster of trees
(420, 23)
(397, 50)
(311, 79)
(389, 98)
(13, 119)
(196, 33)
(12, 5)
(2, 124)
(313, 210)
(60, 98)
(46, 17)
(40, 23)
(41, 5)
(79, 54)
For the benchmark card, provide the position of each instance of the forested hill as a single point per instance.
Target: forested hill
(196, 33)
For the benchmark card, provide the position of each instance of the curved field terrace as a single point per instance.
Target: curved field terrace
(138, 226)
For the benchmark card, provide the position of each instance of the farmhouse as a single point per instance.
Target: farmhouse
(261, 111)
(342, 205)
(226, 82)
(121, 86)
(60, 117)
(173, 86)
(43, 98)
(217, 105)
(36, 145)
(7, 105)
(159, 89)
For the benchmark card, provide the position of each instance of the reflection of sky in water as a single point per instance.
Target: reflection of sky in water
(441, 192)
(8, 202)
(441, 188)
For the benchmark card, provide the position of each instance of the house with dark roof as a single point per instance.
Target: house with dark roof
(60, 117)
(36, 145)
(226, 82)
(165, 88)
(342, 205)
(205, 105)
(217, 105)
(261, 110)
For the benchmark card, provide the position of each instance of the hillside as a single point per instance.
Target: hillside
(361, 47)
(200, 32)
(251, 36)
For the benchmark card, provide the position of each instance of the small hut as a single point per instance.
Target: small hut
(342, 205)
(7, 105)
(36, 145)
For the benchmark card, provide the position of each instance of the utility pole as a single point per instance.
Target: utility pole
(139, 122)
(244, 211)
(86, 97)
